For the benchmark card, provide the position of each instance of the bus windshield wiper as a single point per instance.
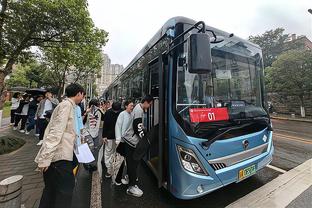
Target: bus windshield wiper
(206, 144)
(249, 120)
(259, 119)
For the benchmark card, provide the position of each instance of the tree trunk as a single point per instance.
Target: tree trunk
(302, 109)
(2, 94)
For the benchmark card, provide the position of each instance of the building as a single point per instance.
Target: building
(302, 42)
(107, 74)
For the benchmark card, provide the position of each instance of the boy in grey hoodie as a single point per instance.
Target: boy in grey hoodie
(123, 123)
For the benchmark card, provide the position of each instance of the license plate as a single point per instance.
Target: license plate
(246, 172)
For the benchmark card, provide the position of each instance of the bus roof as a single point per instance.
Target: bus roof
(170, 24)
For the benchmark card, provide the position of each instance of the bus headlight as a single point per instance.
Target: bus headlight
(190, 162)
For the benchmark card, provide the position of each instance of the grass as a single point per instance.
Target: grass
(9, 144)
(6, 111)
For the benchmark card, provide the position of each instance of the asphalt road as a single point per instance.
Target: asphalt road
(293, 146)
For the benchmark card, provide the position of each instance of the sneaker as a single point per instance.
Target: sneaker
(125, 180)
(22, 131)
(40, 142)
(117, 183)
(14, 128)
(134, 191)
(27, 132)
(107, 175)
(37, 135)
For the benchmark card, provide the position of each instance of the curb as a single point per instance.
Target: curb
(96, 197)
(281, 191)
(291, 119)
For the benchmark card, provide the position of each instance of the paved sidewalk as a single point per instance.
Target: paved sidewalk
(291, 189)
(21, 162)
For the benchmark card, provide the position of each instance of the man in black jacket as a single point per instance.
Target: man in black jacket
(108, 135)
(132, 137)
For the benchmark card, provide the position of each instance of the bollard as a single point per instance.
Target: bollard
(11, 192)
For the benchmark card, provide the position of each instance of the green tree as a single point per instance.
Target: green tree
(42, 23)
(272, 43)
(18, 77)
(28, 74)
(75, 63)
(291, 74)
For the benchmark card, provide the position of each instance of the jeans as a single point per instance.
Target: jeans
(132, 164)
(31, 124)
(13, 116)
(42, 125)
(18, 118)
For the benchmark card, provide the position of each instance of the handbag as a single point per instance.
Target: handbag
(116, 162)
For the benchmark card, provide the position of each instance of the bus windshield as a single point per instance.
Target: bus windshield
(232, 90)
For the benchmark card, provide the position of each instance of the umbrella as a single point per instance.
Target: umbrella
(36, 91)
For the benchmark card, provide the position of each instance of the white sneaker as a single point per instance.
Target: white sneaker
(14, 128)
(134, 191)
(27, 132)
(37, 135)
(125, 180)
(22, 131)
(40, 142)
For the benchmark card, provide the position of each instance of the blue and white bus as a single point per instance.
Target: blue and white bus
(209, 111)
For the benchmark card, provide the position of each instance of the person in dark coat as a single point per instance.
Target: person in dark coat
(108, 135)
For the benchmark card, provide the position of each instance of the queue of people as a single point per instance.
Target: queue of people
(64, 126)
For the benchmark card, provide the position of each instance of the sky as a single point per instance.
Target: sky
(132, 23)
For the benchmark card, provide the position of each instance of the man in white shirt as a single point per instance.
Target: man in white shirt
(45, 106)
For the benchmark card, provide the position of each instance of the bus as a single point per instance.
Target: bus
(209, 112)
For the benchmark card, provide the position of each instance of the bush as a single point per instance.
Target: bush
(7, 104)
(9, 144)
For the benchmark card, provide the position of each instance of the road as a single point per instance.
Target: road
(293, 146)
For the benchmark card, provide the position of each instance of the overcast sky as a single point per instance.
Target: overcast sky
(132, 23)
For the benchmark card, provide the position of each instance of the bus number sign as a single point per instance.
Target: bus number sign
(208, 114)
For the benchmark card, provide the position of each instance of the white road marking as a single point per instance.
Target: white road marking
(276, 168)
(304, 134)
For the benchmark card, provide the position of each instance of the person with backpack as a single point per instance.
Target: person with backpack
(108, 135)
(123, 123)
(45, 108)
(132, 137)
(92, 122)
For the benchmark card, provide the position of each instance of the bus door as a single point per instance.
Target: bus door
(156, 119)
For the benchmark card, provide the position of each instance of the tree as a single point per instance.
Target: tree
(272, 43)
(75, 63)
(27, 74)
(291, 74)
(42, 23)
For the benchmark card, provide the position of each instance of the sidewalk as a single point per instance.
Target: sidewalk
(21, 162)
(291, 189)
(290, 118)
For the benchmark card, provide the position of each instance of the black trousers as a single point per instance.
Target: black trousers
(42, 125)
(132, 164)
(13, 116)
(59, 184)
(18, 118)
(121, 150)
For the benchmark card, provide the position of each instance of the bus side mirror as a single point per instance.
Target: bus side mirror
(199, 53)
